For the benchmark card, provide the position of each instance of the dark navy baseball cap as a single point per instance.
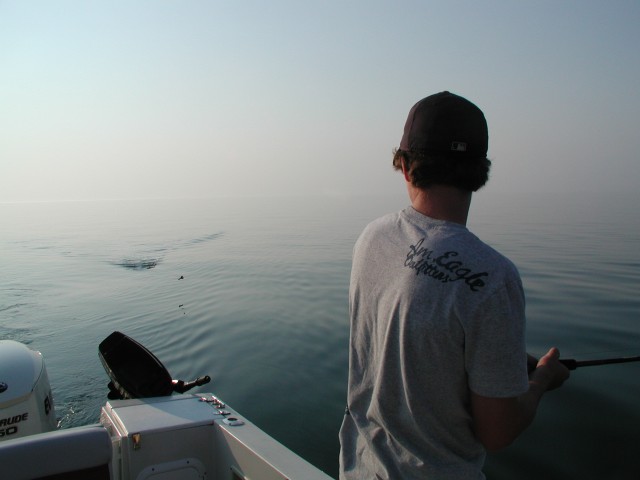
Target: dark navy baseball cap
(446, 124)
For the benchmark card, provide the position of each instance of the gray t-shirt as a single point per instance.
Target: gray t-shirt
(435, 313)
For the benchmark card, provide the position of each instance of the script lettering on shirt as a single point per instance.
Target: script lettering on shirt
(443, 267)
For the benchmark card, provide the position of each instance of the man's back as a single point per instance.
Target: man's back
(434, 311)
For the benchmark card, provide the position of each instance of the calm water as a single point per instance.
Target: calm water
(262, 309)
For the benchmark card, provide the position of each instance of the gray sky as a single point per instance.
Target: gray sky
(159, 98)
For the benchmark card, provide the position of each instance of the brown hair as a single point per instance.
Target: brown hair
(425, 170)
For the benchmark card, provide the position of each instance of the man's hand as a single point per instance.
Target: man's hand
(498, 421)
(550, 369)
(548, 372)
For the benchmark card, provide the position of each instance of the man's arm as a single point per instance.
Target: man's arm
(498, 421)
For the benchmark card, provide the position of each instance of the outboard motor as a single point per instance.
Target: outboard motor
(135, 372)
(26, 404)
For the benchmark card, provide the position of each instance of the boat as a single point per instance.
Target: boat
(149, 428)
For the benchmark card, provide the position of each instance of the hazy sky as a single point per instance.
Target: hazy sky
(179, 98)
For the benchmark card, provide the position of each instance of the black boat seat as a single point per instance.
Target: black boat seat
(76, 453)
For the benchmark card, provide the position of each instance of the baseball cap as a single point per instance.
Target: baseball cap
(447, 124)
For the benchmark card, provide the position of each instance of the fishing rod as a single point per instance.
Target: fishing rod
(572, 364)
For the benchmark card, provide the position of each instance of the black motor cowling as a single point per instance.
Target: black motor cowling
(135, 372)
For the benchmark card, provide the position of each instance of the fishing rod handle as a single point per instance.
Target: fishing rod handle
(570, 363)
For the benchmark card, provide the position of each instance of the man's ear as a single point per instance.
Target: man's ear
(405, 170)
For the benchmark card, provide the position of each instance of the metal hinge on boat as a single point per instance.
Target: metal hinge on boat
(136, 439)
(214, 401)
(219, 406)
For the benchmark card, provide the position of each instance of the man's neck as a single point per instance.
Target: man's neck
(441, 202)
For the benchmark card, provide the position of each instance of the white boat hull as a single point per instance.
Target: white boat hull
(164, 438)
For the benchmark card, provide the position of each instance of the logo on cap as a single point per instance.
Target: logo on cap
(458, 146)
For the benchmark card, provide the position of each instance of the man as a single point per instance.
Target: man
(437, 364)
